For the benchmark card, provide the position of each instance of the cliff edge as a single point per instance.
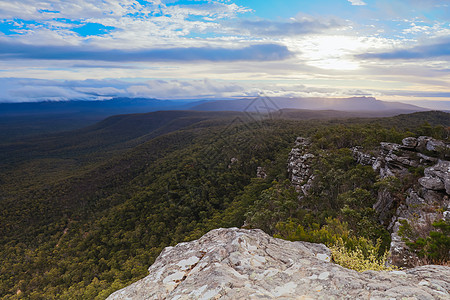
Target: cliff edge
(249, 264)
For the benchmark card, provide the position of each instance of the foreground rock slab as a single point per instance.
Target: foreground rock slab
(249, 264)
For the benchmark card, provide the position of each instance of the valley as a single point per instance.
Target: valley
(88, 210)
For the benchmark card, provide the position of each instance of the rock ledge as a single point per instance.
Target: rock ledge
(249, 264)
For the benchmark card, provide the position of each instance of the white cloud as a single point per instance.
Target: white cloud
(357, 2)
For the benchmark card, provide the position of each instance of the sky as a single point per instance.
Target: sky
(394, 50)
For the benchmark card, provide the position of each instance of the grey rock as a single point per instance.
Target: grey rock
(425, 159)
(435, 145)
(422, 142)
(385, 202)
(249, 264)
(447, 185)
(440, 170)
(299, 167)
(446, 215)
(261, 173)
(426, 143)
(363, 158)
(409, 142)
(424, 200)
(432, 183)
(302, 142)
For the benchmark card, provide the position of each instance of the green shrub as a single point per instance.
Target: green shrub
(357, 260)
(357, 253)
(435, 247)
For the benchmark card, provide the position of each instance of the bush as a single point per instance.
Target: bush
(349, 251)
(435, 247)
(357, 260)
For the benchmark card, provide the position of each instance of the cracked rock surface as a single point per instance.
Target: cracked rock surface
(249, 264)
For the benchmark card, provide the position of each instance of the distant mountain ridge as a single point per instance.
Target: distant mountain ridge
(360, 104)
(138, 105)
(27, 118)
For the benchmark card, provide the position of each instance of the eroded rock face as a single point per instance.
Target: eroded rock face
(249, 264)
(425, 199)
(299, 167)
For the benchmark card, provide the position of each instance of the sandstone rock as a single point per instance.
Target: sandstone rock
(426, 143)
(446, 215)
(302, 142)
(424, 201)
(261, 173)
(447, 185)
(385, 202)
(432, 183)
(435, 145)
(299, 168)
(409, 142)
(422, 143)
(440, 170)
(249, 264)
(362, 158)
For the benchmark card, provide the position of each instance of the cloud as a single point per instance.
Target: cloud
(259, 52)
(440, 49)
(33, 90)
(293, 28)
(357, 2)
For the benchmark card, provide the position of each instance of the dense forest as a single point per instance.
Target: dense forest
(86, 212)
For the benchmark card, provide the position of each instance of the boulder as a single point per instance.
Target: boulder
(432, 183)
(249, 264)
(435, 145)
(409, 142)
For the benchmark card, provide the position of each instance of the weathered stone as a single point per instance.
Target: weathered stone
(424, 201)
(432, 183)
(363, 158)
(409, 142)
(261, 173)
(302, 142)
(385, 202)
(447, 185)
(299, 168)
(425, 159)
(446, 215)
(435, 145)
(422, 142)
(249, 264)
(440, 170)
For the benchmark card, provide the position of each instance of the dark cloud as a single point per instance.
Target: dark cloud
(260, 52)
(298, 27)
(439, 49)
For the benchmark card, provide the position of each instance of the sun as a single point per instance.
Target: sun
(330, 52)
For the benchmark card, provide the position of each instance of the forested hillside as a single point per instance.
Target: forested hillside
(84, 213)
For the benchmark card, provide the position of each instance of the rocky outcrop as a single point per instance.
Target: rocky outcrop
(299, 167)
(261, 173)
(425, 200)
(249, 264)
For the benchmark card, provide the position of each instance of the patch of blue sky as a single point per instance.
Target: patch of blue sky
(142, 2)
(10, 27)
(48, 11)
(291, 8)
(202, 35)
(6, 27)
(91, 29)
